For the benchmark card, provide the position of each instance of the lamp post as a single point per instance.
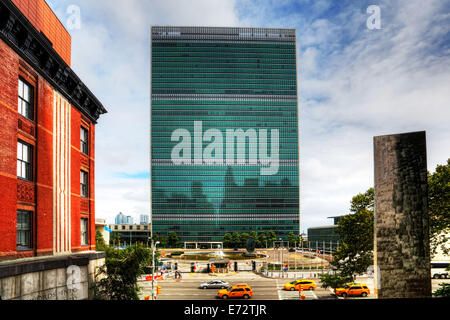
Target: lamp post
(153, 268)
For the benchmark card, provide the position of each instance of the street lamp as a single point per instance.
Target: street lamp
(153, 268)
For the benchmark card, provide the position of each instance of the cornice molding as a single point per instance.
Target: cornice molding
(33, 47)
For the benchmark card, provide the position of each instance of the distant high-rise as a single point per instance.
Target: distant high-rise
(123, 219)
(119, 218)
(144, 219)
(129, 220)
(224, 132)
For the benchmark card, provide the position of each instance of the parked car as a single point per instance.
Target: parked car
(353, 289)
(215, 284)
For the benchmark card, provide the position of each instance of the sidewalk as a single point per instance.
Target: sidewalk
(314, 274)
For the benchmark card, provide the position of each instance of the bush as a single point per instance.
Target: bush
(100, 244)
(443, 291)
(117, 278)
(177, 253)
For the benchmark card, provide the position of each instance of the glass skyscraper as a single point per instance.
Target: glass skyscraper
(224, 132)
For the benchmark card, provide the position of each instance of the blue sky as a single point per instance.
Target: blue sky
(354, 83)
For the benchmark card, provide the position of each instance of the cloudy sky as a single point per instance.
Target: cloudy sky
(354, 83)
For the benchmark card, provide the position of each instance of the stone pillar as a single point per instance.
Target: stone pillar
(401, 247)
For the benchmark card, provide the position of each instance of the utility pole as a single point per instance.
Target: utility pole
(295, 256)
(153, 268)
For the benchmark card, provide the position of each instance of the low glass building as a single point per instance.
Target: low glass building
(224, 132)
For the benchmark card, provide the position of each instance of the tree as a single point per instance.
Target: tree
(334, 281)
(355, 230)
(244, 236)
(363, 201)
(161, 238)
(173, 240)
(162, 241)
(439, 208)
(250, 245)
(100, 244)
(117, 278)
(271, 238)
(253, 235)
(292, 238)
(262, 239)
(236, 239)
(227, 240)
(115, 238)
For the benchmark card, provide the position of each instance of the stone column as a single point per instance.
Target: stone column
(401, 247)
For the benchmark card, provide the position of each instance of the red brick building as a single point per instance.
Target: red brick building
(47, 137)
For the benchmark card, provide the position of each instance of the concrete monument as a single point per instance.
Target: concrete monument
(401, 248)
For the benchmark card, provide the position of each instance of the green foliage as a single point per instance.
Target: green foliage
(227, 240)
(439, 207)
(294, 239)
(363, 201)
(262, 239)
(254, 236)
(250, 245)
(236, 239)
(117, 278)
(271, 238)
(334, 281)
(115, 238)
(173, 240)
(244, 236)
(177, 253)
(443, 291)
(355, 253)
(163, 241)
(100, 244)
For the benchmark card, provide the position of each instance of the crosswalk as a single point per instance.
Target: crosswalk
(293, 295)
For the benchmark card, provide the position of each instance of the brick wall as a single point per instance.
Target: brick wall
(38, 196)
(43, 19)
(9, 68)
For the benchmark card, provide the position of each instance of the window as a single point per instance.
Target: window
(24, 230)
(84, 231)
(145, 228)
(25, 105)
(83, 184)
(84, 140)
(24, 161)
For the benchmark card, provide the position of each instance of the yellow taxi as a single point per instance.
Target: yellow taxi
(238, 291)
(305, 284)
(353, 289)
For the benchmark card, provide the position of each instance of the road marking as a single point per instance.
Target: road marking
(279, 297)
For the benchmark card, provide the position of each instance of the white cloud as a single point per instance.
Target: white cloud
(354, 84)
(111, 54)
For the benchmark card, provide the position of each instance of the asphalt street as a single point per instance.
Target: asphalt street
(263, 288)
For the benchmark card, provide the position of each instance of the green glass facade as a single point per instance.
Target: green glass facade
(225, 79)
